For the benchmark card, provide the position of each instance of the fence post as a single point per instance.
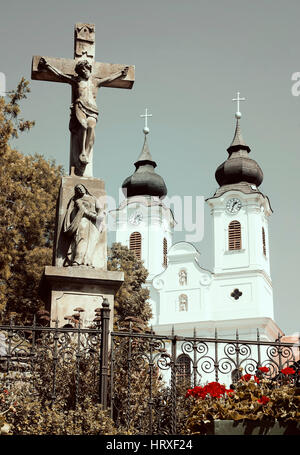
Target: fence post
(105, 315)
(173, 383)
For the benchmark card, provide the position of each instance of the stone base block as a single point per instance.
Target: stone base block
(65, 288)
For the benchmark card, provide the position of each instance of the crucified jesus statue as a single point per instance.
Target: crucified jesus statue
(84, 111)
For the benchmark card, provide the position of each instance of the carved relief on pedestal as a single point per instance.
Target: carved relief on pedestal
(80, 238)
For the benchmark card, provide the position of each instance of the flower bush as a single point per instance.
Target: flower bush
(250, 398)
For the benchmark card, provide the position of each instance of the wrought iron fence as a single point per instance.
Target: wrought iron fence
(141, 377)
(43, 357)
(155, 371)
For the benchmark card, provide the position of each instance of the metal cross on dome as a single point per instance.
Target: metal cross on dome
(238, 99)
(146, 115)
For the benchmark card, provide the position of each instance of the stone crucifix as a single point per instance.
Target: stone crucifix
(85, 77)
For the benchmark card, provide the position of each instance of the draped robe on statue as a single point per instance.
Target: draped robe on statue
(83, 223)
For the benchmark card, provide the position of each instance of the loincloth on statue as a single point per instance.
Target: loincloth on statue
(87, 111)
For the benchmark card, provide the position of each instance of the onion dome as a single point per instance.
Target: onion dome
(144, 181)
(239, 167)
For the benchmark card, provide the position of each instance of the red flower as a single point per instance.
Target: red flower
(197, 392)
(264, 369)
(263, 400)
(6, 391)
(288, 371)
(214, 389)
(246, 377)
(256, 379)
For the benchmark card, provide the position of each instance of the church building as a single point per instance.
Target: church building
(185, 296)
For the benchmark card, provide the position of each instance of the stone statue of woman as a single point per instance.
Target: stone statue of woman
(83, 224)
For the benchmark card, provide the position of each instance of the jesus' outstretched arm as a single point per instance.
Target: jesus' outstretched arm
(122, 73)
(43, 64)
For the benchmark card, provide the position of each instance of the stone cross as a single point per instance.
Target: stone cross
(85, 76)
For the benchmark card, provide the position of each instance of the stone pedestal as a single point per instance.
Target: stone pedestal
(65, 288)
(78, 277)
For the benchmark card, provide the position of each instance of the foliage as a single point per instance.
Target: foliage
(39, 408)
(7, 405)
(28, 192)
(131, 299)
(33, 418)
(252, 399)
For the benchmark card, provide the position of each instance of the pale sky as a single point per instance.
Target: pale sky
(191, 58)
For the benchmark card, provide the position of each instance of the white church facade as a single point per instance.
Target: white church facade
(186, 297)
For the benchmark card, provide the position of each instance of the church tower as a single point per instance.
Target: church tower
(143, 222)
(240, 214)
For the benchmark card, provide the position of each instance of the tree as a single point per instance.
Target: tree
(28, 192)
(131, 301)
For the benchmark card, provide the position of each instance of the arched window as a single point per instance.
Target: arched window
(135, 243)
(183, 370)
(165, 251)
(234, 235)
(264, 241)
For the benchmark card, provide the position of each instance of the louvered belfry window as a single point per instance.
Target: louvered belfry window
(234, 236)
(165, 251)
(264, 242)
(135, 243)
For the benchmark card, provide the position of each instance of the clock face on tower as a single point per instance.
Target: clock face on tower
(233, 205)
(136, 218)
